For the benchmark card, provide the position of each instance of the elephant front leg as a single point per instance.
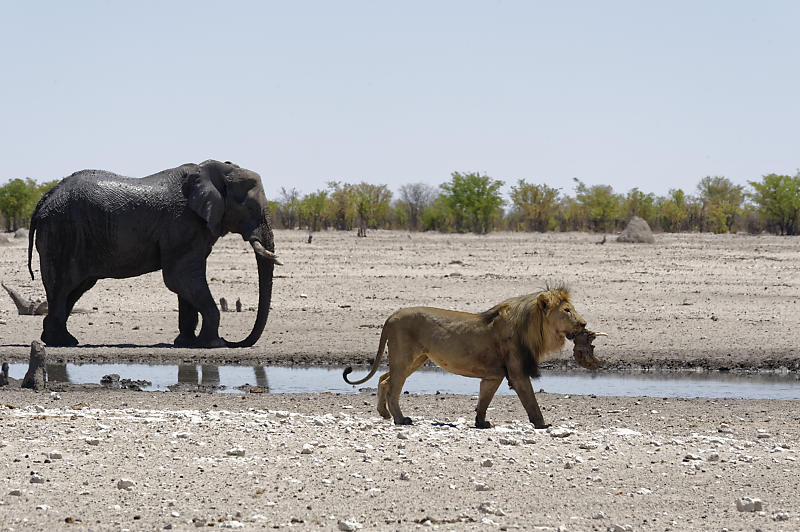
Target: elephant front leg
(187, 324)
(189, 282)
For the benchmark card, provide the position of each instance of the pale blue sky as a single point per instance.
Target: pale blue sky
(653, 95)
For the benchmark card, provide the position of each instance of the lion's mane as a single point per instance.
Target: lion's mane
(523, 324)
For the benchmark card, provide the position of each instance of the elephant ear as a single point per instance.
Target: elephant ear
(207, 201)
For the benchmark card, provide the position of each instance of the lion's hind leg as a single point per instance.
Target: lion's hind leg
(383, 389)
(488, 389)
(394, 386)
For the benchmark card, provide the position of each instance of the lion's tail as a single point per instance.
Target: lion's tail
(378, 357)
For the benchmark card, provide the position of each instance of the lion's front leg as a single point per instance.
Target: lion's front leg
(488, 388)
(521, 384)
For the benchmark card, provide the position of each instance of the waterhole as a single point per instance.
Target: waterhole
(279, 379)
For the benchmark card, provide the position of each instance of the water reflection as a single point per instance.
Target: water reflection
(319, 379)
(206, 375)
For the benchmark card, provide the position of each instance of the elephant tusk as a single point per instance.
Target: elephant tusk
(264, 252)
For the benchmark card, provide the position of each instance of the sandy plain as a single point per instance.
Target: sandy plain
(188, 460)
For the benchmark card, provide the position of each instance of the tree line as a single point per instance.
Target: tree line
(473, 202)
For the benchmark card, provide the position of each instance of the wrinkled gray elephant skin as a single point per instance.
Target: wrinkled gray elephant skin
(95, 224)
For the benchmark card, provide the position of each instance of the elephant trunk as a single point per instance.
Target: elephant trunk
(265, 260)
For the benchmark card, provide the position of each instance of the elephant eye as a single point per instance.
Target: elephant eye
(567, 311)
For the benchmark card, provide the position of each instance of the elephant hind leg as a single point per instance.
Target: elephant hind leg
(61, 298)
(187, 324)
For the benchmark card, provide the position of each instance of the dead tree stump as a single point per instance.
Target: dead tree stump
(223, 304)
(36, 377)
(238, 305)
(25, 306)
(4, 375)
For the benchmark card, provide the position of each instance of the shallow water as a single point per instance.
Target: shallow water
(279, 379)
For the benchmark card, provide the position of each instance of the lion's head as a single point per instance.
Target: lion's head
(539, 323)
(559, 315)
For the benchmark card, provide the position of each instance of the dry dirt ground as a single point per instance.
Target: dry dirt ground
(91, 459)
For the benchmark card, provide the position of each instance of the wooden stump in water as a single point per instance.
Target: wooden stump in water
(36, 376)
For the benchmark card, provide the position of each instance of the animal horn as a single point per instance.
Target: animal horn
(264, 252)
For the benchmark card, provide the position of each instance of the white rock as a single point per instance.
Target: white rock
(402, 435)
(599, 515)
(38, 408)
(560, 432)
(621, 528)
(481, 486)
(747, 504)
(236, 451)
(644, 491)
(713, 457)
(349, 526)
(780, 516)
(588, 445)
(125, 484)
(404, 475)
(231, 524)
(508, 441)
(55, 455)
(43, 507)
(37, 479)
(55, 396)
(627, 432)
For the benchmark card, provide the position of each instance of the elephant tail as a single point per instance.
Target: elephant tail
(31, 231)
(378, 357)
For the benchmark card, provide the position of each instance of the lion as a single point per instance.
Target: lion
(509, 340)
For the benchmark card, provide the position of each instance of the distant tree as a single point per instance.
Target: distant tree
(778, 201)
(414, 199)
(288, 208)
(311, 208)
(600, 205)
(372, 205)
(437, 217)
(472, 199)
(339, 208)
(535, 205)
(18, 199)
(721, 202)
(637, 203)
(673, 212)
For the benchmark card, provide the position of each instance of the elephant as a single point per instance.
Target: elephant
(96, 224)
